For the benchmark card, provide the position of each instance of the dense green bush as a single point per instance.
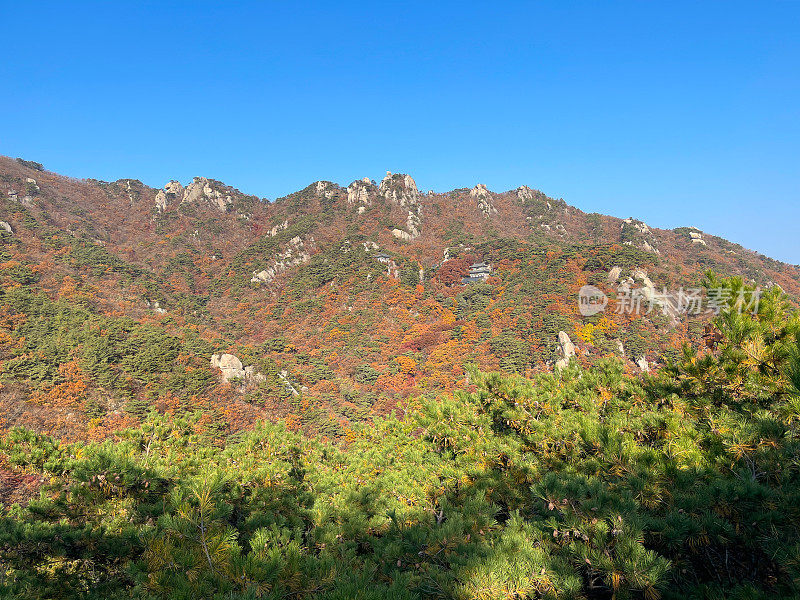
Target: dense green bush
(21, 274)
(365, 374)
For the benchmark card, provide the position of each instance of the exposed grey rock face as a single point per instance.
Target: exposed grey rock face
(484, 198)
(697, 238)
(402, 235)
(278, 228)
(567, 350)
(171, 192)
(399, 189)
(402, 191)
(358, 192)
(201, 189)
(772, 284)
(6, 227)
(647, 247)
(413, 221)
(294, 254)
(643, 364)
(642, 231)
(524, 193)
(325, 188)
(638, 225)
(613, 274)
(174, 187)
(641, 275)
(32, 185)
(230, 366)
(479, 191)
(156, 306)
(649, 293)
(567, 347)
(251, 373)
(284, 375)
(161, 201)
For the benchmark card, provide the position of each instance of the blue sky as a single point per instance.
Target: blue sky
(675, 113)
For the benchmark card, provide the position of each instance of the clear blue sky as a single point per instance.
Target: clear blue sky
(675, 113)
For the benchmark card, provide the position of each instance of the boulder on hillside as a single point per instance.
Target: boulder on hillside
(402, 235)
(697, 238)
(230, 366)
(567, 350)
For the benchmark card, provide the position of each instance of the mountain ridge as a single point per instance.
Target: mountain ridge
(374, 183)
(350, 295)
(476, 191)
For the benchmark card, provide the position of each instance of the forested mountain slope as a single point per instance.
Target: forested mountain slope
(584, 483)
(335, 303)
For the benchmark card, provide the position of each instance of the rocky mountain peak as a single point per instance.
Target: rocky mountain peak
(399, 189)
(325, 189)
(525, 193)
(484, 197)
(201, 189)
(634, 232)
(170, 193)
(358, 192)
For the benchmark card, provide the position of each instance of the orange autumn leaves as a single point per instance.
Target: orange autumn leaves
(408, 366)
(70, 392)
